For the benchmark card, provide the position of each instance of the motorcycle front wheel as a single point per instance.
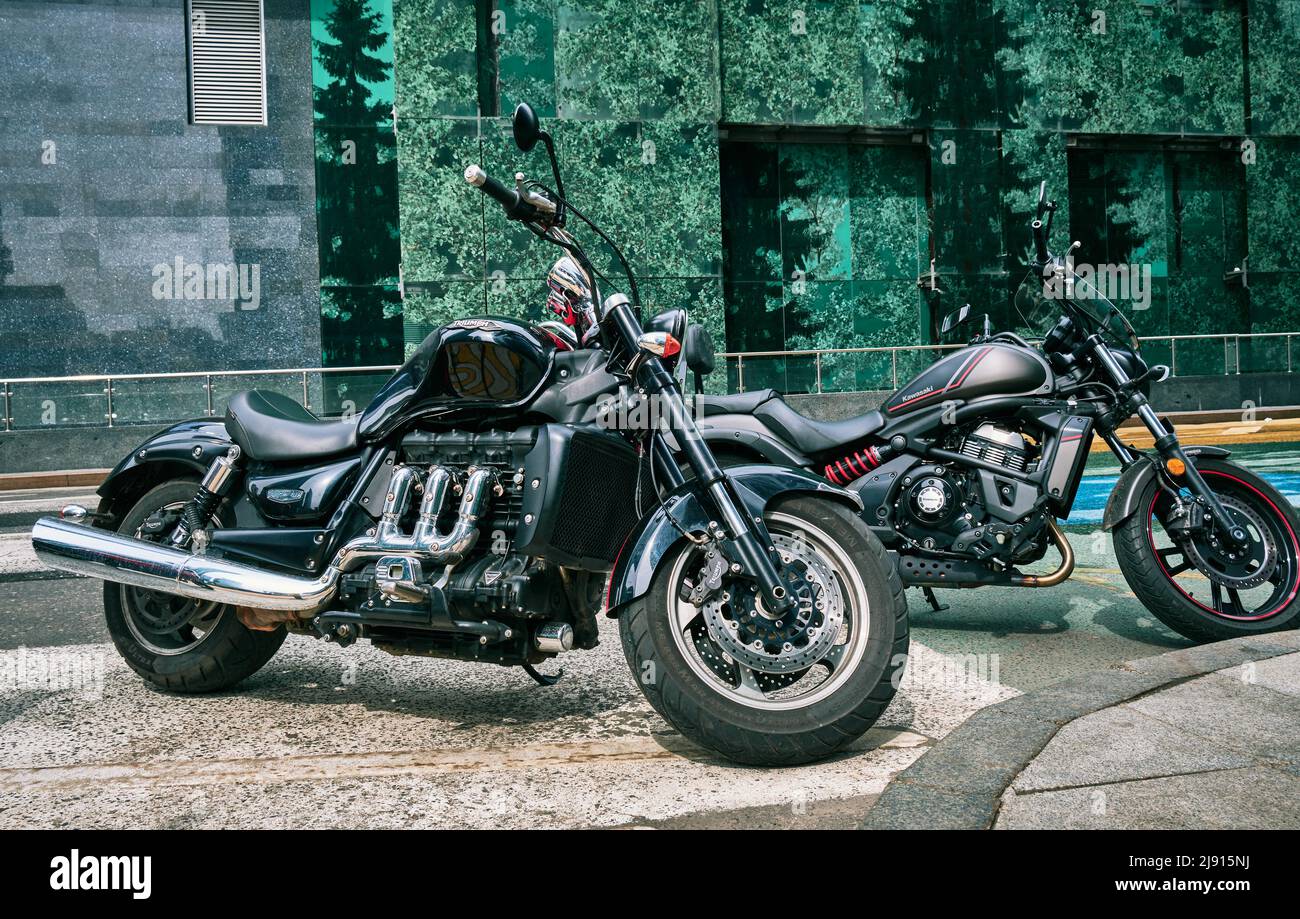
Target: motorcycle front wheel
(1203, 587)
(767, 690)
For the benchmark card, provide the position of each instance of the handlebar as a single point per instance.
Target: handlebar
(1040, 241)
(514, 203)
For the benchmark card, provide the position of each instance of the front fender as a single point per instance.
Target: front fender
(655, 536)
(189, 445)
(1123, 501)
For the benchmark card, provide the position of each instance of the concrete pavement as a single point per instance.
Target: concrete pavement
(1201, 738)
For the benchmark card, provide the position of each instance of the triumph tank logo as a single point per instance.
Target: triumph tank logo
(486, 325)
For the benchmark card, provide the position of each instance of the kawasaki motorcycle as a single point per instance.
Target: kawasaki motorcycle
(965, 470)
(500, 489)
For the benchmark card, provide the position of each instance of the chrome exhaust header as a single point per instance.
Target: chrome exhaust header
(113, 557)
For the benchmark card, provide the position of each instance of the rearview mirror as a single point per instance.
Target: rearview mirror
(527, 130)
(953, 320)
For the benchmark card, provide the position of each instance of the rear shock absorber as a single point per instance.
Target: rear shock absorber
(857, 464)
(216, 484)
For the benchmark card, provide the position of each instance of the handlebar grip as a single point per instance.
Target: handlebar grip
(475, 176)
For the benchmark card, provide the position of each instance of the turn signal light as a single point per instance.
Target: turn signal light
(1175, 466)
(660, 343)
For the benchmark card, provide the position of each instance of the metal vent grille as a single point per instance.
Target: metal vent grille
(227, 62)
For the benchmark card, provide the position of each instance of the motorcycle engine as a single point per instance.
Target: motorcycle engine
(496, 604)
(944, 507)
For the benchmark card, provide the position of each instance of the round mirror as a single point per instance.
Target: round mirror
(526, 127)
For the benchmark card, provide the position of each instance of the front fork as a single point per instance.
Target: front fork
(1166, 444)
(755, 554)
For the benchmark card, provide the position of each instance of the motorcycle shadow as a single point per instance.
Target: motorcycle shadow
(1020, 612)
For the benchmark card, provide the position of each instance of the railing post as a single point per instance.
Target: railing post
(1173, 356)
(207, 384)
(1225, 355)
(818, 357)
(893, 366)
(1288, 353)
(108, 391)
(9, 419)
(740, 373)
(1237, 342)
(306, 399)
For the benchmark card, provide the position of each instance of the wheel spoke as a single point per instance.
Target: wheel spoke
(1174, 552)
(748, 685)
(686, 614)
(1235, 604)
(834, 657)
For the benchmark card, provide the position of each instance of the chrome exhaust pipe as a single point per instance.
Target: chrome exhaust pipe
(110, 556)
(113, 557)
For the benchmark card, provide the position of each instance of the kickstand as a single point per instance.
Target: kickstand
(542, 678)
(933, 600)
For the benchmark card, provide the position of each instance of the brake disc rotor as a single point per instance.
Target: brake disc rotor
(724, 666)
(739, 625)
(1236, 568)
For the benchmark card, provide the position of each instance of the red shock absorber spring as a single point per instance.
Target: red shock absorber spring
(854, 466)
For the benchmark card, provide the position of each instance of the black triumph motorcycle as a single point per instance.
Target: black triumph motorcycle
(965, 470)
(492, 497)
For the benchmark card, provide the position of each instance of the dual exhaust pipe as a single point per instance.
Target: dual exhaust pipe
(110, 556)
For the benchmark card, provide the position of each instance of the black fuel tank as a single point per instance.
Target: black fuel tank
(468, 370)
(995, 369)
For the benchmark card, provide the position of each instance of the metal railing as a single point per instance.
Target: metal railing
(1158, 349)
(102, 398)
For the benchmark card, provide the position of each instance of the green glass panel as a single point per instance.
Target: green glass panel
(441, 216)
(437, 59)
(356, 205)
(815, 225)
(1274, 37)
(965, 176)
(889, 223)
(524, 33)
(1272, 201)
(751, 221)
(352, 62)
(791, 62)
(675, 186)
(894, 57)
(755, 316)
(361, 326)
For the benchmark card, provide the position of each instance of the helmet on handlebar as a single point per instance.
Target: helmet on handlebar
(572, 299)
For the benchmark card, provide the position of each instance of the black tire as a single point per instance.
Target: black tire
(226, 654)
(1155, 579)
(756, 736)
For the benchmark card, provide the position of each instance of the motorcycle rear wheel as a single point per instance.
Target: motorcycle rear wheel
(178, 644)
(769, 718)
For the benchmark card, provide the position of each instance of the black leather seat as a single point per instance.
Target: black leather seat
(271, 427)
(741, 403)
(811, 436)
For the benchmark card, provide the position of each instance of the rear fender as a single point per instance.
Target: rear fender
(1123, 501)
(183, 449)
(655, 537)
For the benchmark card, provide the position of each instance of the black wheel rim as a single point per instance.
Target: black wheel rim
(1222, 586)
(164, 623)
